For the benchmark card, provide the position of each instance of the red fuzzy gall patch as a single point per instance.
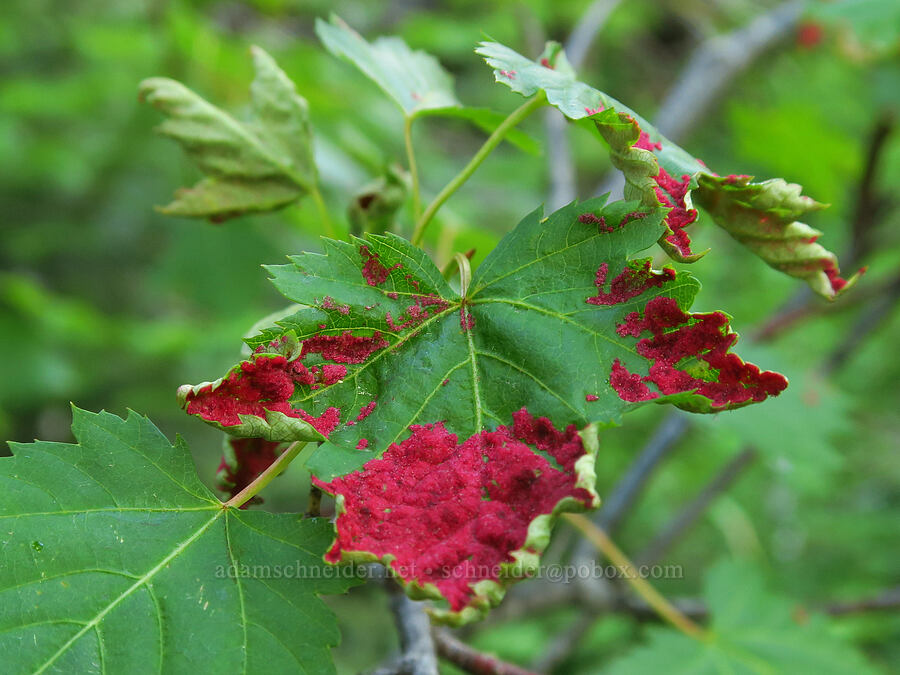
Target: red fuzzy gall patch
(245, 460)
(643, 142)
(330, 304)
(257, 386)
(344, 348)
(263, 384)
(373, 271)
(423, 307)
(672, 192)
(629, 283)
(450, 514)
(838, 283)
(678, 337)
(591, 397)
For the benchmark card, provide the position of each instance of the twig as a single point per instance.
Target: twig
(656, 600)
(414, 629)
(471, 660)
(585, 32)
(560, 165)
(868, 209)
(870, 320)
(715, 64)
(869, 203)
(629, 487)
(886, 600)
(565, 642)
(689, 515)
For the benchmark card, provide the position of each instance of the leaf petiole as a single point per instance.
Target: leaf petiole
(325, 219)
(413, 169)
(492, 142)
(263, 479)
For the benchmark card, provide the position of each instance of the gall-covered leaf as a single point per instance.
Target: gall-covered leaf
(258, 165)
(115, 558)
(460, 521)
(243, 460)
(559, 325)
(659, 173)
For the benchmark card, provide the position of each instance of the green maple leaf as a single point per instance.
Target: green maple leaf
(660, 173)
(258, 165)
(752, 631)
(558, 324)
(413, 79)
(114, 557)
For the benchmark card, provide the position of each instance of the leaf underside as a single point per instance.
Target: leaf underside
(114, 557)
(762, 216)
(259, 165)
(558, 324)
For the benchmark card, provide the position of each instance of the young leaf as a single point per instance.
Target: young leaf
(413, 79)
(114, 557)
(373, 207)
(558, 325)
(259, 165)
(659, 173)
(753, 632)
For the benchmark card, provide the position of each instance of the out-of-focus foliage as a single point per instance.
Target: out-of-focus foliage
(107, 303)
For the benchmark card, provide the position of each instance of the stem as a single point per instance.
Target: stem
(663, 607)
(465, 273)
(471, 660)
(413, 169)
(492, 142)
(325, 219)
(266, 476)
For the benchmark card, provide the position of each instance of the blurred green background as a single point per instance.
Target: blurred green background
(108, 304)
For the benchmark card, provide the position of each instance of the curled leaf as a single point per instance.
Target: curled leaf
(764, 218)
(259, 165)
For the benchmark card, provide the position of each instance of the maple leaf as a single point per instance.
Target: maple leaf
(558, 324)
(660, 173)
(413, 79)
(114, 557)
(259, 165)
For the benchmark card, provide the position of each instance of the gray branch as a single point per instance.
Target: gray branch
(560, 164)
(716, 63)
